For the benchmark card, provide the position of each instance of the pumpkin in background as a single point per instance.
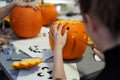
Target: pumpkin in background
(49, 13)
(76, 39)
(25, 21)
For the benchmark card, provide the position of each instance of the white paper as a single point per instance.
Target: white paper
(32, 74)
(37, 46)
(71, 71)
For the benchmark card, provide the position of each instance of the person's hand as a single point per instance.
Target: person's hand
(25, 4)
(59, 39)
(2, 40)
(98, 53)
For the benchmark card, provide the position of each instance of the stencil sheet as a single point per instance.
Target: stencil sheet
(44, 72)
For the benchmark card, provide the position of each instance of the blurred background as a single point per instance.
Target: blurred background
(64, 7)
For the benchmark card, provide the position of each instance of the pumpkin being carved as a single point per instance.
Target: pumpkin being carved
(74, 47)
(25, 22)
(49, 13)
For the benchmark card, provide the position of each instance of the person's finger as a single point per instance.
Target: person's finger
(66, 32)
(24, 4)
(33, 6)
(61, 26)
(2, 40)
(98, 53)
(51, 35)
(55, 28)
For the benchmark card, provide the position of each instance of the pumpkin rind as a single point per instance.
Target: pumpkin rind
(26, 63)
(74, 47)
(25, 21)
(49, 13)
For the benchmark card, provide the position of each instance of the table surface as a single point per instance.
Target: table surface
(87, 67)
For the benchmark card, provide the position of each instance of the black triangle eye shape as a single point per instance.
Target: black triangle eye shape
(50, 77)
(50, 72)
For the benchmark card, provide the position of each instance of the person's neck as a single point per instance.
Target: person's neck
(106, 41)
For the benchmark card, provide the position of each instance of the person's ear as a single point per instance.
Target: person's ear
(90, 21)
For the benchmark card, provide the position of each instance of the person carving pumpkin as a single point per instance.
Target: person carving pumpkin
(102, 19)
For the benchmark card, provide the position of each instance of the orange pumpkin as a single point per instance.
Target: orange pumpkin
(49, 13)
(25, 21)
(74, 47)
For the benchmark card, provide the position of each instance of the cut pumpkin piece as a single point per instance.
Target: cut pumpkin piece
(26, 63)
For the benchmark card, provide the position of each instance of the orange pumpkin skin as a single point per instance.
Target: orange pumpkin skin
(25, 21)
(74, 47)
(49, 13)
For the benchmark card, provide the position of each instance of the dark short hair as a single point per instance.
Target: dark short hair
(108, 12)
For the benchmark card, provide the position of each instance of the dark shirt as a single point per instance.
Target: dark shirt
(112, 65)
